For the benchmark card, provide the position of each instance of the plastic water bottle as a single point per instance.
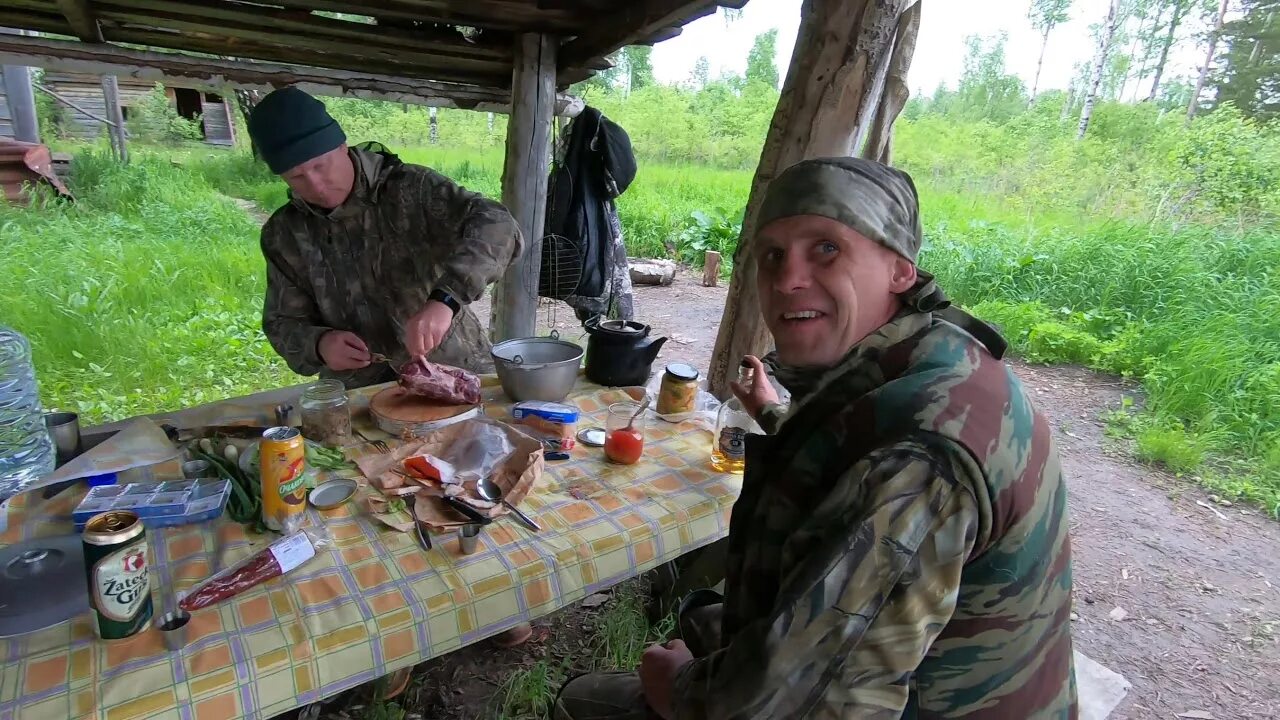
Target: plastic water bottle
(26, 450)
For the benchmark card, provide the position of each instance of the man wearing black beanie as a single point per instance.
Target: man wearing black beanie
(371, 255)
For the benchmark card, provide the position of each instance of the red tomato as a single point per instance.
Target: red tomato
(624, 446)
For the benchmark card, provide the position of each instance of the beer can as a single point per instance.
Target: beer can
(115, 559)
(282, 458)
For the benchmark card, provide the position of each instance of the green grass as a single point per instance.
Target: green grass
(144, 295)
(527, 694)
(1187, 312)
(622, 633)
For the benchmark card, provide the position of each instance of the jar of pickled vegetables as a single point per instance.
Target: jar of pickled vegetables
(679, 391)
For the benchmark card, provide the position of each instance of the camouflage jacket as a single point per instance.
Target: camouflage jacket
(368, 265)
(899, 548)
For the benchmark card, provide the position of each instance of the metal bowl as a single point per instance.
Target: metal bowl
(537, 368)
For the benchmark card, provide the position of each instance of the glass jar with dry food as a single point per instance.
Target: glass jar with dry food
(326, 415)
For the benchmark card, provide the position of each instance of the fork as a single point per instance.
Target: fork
(424, 538)
(378, 445)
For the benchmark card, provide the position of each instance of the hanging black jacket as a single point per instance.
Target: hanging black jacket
(598, 166)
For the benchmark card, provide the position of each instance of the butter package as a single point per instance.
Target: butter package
(554, 423)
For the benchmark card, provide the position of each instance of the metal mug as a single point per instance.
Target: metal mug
(196, 469)
(64, 430)
(469, 537)
(173, 628)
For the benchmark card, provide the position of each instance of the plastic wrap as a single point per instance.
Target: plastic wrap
(277, 559)
(479, 452)
(705, 406)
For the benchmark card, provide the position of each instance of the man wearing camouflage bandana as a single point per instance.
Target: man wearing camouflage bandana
(371, 255)
(899, 547)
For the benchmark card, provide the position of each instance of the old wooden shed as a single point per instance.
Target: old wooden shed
(84, 90)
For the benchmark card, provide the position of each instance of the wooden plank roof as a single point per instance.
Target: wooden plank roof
(463, 42)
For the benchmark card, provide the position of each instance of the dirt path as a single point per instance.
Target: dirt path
(1176, 592)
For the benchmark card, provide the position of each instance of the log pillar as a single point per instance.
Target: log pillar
(827, 106)
(524, 181)
(115, 113)
(21, 99)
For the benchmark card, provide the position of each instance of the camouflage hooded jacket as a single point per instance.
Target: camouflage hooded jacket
(368, 265)
(899, 548)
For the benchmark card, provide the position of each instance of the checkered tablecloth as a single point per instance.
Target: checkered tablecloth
(374, 602)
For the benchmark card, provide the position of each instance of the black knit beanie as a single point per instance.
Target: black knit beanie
(289, 127)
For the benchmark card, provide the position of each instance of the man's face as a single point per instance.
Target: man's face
(324, 181)
(823, 287)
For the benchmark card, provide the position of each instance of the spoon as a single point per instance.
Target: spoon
(643, 406)
(490, 491)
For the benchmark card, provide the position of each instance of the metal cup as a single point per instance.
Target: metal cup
(196, 469)
(173, 628)
(64, 429)
(469, 537)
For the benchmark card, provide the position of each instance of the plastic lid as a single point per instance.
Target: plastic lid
(682, 371)
(43, 584)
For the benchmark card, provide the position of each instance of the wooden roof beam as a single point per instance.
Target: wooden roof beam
(483, 14)
(264, 34)
(38, 21)
(214, 74)
(244, 15)
(632, 25)
(81, 19)
(338, 56)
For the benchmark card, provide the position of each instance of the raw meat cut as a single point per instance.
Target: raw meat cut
(441, 383)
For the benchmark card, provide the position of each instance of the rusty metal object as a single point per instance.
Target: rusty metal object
(23, 165)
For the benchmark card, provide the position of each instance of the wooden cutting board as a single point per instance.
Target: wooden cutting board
(395, 411)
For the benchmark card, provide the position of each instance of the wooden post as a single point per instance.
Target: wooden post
(711, 269)
(828, 101)
(226, 111)
(21, 99)
(22, 103)
(111, 96)
(524, 181)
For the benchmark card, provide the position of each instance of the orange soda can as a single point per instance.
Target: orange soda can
(282, 458)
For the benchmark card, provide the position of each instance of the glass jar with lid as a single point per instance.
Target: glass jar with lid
(679, 390)
(326, 414)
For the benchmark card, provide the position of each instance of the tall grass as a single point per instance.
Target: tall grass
(142, 296)
(1190, 313)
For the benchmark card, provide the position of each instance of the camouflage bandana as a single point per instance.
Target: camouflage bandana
(876, 200)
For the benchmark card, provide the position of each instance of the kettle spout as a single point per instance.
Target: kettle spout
(649, 347)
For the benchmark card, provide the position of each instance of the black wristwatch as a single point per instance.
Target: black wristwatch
(444, 297)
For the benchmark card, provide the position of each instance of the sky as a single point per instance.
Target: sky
(939, 55)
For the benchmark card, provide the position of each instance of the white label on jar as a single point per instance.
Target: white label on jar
(292, 551)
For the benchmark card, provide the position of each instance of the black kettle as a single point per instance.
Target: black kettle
(620, 353)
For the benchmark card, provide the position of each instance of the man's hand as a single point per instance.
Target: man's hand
(658, 668)
(341, 350)
(425, 330)
(760, 393)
